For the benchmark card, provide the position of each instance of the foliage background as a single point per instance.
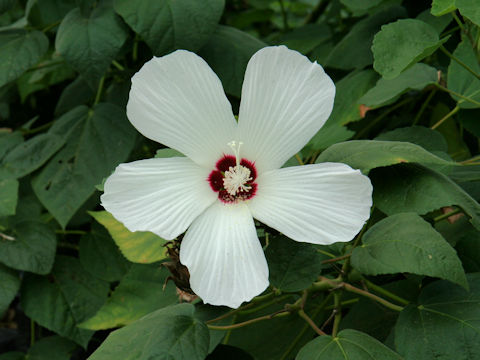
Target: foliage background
(408, 97)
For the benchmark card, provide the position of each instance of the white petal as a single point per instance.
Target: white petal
(285, 101)
(177, 100)
(319, 204)
(163, 196)
(224, 257)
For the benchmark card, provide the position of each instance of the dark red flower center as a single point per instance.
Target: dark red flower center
(233, 182)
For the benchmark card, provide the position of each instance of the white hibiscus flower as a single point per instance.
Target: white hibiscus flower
(231, 173)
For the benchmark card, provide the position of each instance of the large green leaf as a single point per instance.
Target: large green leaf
(97, 140)
(100, 255)
(9, 285)
(67, 297)
(43, 13)
(401, 44)
(387, 91)
(353, 51)
(470, 9)
(228, 52)
(460, 79)
(140, 246)
(31, 154)
(406, 243)
(8, 141)
(369, 154)
(416, 188)
(442, 7)
(8, 196)
(169, 25)
(427, 138)
(52, 348)
(166, 334)
(348, 344)
(305, 38)
(13, 355)
(90, 43)
(33, 248)
(140, 292)
(293, 266)
(20, 50)
(444, 325)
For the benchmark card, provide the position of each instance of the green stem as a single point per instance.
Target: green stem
(299, 159)
(447, 215)
(310, 322)
(473, 159)
(424, 106)
(67, 245)
(99, 91)
(343, 303)
(264, 305)
(51, 26)
(371, 296)
(460, 62)
(457, 20)
(464, 98)
(37, 130)
(326, 253)
(71, 232)
(334, 260)
(337, 298)
(135, 48)
(316, 12)
(248, 322)
(118, 65)
(387, 293)
(284, 15)
(445, 118)
(32, 332)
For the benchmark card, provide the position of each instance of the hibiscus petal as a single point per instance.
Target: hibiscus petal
(177, 100)
(320, 204)
(224, 257)
(163, 196)
(285, 100)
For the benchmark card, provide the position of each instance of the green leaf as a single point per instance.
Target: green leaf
(401, 44)
(140, 246)
(439, 23)
(405, 188)
(169, 25)
(139, 293)
(406, 243)
(90, 43)
(293, 266)
(369, 154)
(8, 197)
(13, 355)
(168, 333)
(6, 5)
(349, 344)
(97, 140)
(468, 249)
(9, 285)
(168, 153)
(442, 7)
(52, 348)
(20, 50)
(32, 250)
(353, 51)
(8, 141)
(430, 140)
(469, 9)
(461, 80)
(387, 91)
(101, 257)
(67, 297)
(43, 13)
(74, 94)
(345, 109)
(444, 324)
(228, 52)
(31, 154)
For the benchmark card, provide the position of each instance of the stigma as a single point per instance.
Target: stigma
(236, 179)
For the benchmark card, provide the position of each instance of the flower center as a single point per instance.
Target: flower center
(233, 177)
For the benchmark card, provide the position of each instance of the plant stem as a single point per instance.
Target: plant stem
(251, 321)
(447, 215)
(464, 98)
(460, 62)
(445, 118)
(38, 129)
(264, 305)
(284, 15)
(316, 12)
(337, 296)
(70, 232)
(51, 26)
(473, 159)
(340, 258)
(387, 293)
(99, 91)
(343, 303)
(310, 322)
(326, 253)
(118, 65)
(7, 237)
(299, 159)
(32, 332)
(424, 106)
(457, 20)
(374, 297)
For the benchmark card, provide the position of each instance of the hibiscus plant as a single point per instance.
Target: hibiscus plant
(239, 179)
